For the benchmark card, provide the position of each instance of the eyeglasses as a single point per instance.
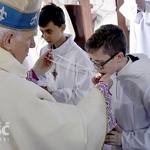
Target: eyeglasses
(101, 65)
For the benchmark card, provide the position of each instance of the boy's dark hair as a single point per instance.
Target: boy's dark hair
(110, 38)
(52, 13)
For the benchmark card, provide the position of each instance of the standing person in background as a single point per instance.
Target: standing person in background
(58, 126)
(103, 12)
(71, 62)
(138, 13)
(72, 2)
(130, 89)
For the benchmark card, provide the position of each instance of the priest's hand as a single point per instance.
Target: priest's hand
(141, 5)
(96, 79)
(103, 77)
(43, 64)
(106, 78)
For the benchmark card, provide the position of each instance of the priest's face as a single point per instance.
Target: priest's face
(104, 63)
(18, 43)
(53, 34)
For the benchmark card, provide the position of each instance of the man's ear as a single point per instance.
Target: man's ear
(6, 42)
